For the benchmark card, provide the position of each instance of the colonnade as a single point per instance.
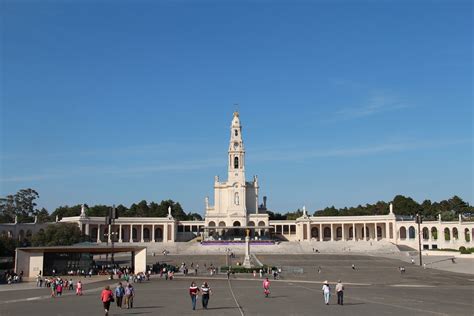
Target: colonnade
(130, 232)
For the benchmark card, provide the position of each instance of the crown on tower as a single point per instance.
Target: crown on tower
(236, 113)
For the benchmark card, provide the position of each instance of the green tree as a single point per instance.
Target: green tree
(405, 205)
(8, 246)
(43, 216)
(22, 204)
(60, 234)
(294, 215)
(98, 210)
(66, 211)
(275, 216)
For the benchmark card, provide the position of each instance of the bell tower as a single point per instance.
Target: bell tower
(236, 159)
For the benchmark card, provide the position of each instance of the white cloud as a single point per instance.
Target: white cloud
(377, 103)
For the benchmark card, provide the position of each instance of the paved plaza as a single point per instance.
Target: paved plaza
(375, 287)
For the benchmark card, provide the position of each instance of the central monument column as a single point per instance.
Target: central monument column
(247, 263)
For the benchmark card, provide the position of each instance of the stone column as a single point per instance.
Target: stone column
(109, 233)
(120, 233)
(141, 236)
(343, 233)
(131, 233)
(308, 231)
(165, 232)
(332, 232)
(173, 232)
(87, 229)
(321, 235)
(365, 232)
(98, 233)
(152, 233)
(354, 232)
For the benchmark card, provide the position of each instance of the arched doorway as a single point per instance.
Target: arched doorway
(434, 233)
(21, 235)
(351, 233)
(237, 232)
(379, 232)
(467, 237)
(158, 234)
(212, 230)
(327, 233)
(146, 234)
(455, 233)
(447, 234)
(339, 233)
(134, 234)
(411, 232)
(426, 233)
(403, 233)
(315, 232)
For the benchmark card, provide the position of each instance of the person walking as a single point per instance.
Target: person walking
(193, 293)
(59, 288)
(266, 287)
(106, 297)
(206, 292)
(340, 292)
(39, 280)
(129, 295)
(119, 294)
(326, 292)
(71, 285)
(79, 288)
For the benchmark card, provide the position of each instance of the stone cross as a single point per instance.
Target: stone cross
(304, 211)
(391, 208)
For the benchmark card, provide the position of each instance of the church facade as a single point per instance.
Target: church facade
(236, 210)
(236, 204)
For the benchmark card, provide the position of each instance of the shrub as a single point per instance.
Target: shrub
(240, 269)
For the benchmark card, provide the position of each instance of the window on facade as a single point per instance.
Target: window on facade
(236, 163)
(236, 133)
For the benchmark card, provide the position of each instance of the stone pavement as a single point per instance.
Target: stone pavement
(374, 288)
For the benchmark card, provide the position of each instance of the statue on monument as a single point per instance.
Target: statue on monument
(169, 211)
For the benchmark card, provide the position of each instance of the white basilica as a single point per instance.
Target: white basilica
(235, 200)
(236, 209)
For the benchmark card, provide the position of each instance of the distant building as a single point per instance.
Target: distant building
(236, 212)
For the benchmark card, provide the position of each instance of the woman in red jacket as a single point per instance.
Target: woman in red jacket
(193, 292)
(106, 297)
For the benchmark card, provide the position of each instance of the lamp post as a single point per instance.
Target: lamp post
(419, 220)
(110, 220)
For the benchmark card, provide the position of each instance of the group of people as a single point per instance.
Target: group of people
(205, 291)
(339, 292)
(12, 277)
(123, 295)
(58, 285)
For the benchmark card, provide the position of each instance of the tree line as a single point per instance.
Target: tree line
(402, 205)
(22, 205)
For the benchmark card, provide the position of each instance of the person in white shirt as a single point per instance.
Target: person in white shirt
(326, 292)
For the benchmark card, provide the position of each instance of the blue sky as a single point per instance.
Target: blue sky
(342, 102)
